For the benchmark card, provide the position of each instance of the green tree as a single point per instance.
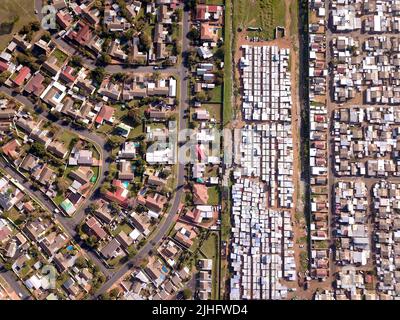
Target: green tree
(134, 114)
(114, 293)
(81, 262)
(4, 76)
(187, 294)
(98, 74)
(104, 59)
(193, 34)
(38, 149)
(76, 61)
(62, 185)
(145, 40)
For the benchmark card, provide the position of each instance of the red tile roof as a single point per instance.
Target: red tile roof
(83, 35)
(3, 66)
(22, 75)
(64, 19)
(212, 9)
(200, 193)
(105, 113)
(35, 84)
(117, 195)
(201, 12)
(96, 228)
(10, 149)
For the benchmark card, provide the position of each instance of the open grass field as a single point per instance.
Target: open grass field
(264, 14)
(216, 94)
(210, 250)
(213, 195)
(11, 9)
(215, 111)
(227, 90)
(215, 2)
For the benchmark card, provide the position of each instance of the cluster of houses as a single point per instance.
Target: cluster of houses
(64, 87)
(155, 281)
(34, 244)
(266, 83)
(122, 218)
(261, 246)
(81, 161)
(317, 52)
(350, 284)
(204, 278)
(319, 226)
(208, 20)
(353, 284)
(266, 150)
(82, 21)
(385, 202)
(267, 153)
(351, 224)
(365, 141)
(120, 231)
(139, 86)
(363, 70)
(318, 153)
(367, 61)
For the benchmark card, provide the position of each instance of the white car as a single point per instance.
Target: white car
(56, 210)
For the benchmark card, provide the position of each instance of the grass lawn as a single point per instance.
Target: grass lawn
(66, 137)
(266, 14)
(227, 99)
(135, 132)
(14, 215)
(59, 198)
(60, 56)
(216, 94)
(120, 111)
(210, 250)
(96, 171)
(215, 2)
(213, 195)
(211, 172)
(294, 16)
(105, 128)
(171, 181)
(9, 9)
(215, 111)
(122, 227)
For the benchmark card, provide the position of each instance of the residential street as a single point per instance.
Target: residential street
(183, 124)
(70, 224)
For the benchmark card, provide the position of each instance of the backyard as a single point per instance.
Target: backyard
(209, 250)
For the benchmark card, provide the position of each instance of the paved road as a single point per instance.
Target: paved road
(68, 223)
(18, 287)
(183, 124)
(115, 68)
(71, 223)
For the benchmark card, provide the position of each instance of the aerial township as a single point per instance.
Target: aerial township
(97, 200)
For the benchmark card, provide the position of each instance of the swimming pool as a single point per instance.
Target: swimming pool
(126, 184)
